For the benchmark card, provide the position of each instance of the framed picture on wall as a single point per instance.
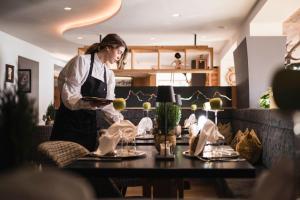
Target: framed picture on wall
(9, 73)
(24, 80)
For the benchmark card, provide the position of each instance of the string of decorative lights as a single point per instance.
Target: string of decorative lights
(197, 93)
(138, 97)
(151, 96)
(221, 95)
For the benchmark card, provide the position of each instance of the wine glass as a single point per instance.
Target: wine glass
(119, 104)
(147, 108)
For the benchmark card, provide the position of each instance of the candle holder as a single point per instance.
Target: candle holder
(165, 95)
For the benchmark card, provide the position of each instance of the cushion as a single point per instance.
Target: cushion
(226, 131)
(249, 147)
(60, 153)
(238, 137)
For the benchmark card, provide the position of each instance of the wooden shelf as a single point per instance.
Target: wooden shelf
(165, 49)
(145, 72)
(204, 63)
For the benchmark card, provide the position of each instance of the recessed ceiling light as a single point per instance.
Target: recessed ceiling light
(67, 8)
(79, 38)
(176, 15)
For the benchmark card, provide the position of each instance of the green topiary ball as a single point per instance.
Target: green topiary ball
(173, 116)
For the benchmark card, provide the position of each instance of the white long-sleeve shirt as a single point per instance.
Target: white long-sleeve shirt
(73, 76)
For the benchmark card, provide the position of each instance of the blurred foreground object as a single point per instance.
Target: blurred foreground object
(18, 119)
(286, 87)
(50, 184)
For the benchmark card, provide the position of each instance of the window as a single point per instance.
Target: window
(174, 79)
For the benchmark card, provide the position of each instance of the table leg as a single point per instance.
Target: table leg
(168, 188)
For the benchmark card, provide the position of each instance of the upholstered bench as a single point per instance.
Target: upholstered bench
(274, 128)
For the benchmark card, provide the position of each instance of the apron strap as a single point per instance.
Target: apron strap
(91, 64)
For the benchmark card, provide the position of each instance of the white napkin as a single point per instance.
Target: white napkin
(144, 125)
(125, 128)
(191, 120)
(209, 133)
(108, 142)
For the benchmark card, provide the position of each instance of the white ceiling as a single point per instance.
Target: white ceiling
(139, 22)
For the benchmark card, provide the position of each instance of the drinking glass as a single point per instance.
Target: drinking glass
(120, 104)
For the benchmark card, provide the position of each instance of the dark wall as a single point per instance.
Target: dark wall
(185, 92)
(242, 74)
(256, 59)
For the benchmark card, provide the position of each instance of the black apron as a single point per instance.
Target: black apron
(81, 126)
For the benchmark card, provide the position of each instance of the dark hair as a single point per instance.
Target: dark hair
(177, 55)
(111, 40)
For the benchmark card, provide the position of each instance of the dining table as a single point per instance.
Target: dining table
(161, 172)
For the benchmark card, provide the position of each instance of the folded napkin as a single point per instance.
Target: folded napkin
(191, 120)
(125, 128)
(209, 133)
(144, 125)
(108, 142)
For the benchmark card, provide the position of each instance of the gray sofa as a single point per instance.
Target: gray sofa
(274, 128)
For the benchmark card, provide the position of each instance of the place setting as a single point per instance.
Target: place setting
(145, 129)
(117, 143)
(204, 143)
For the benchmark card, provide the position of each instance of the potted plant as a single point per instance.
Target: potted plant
(18, 121)
(266, 100)
(173, 116)
(49, 117)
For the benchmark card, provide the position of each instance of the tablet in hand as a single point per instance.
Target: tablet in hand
(97, 100)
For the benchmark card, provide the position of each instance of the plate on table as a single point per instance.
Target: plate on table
(120, 154)
(221, 153)
(217, 152)
(187, 154)
(97, 99)
(145, 137)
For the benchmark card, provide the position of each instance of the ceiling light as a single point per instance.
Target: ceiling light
(176, 15)
(67, 8)
(153, 38)
(79, 38)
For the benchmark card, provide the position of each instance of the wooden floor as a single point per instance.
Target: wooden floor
(199, 189)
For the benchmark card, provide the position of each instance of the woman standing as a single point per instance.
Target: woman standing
(88, 75)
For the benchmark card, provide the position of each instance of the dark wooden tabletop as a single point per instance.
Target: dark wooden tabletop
(148, 166)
